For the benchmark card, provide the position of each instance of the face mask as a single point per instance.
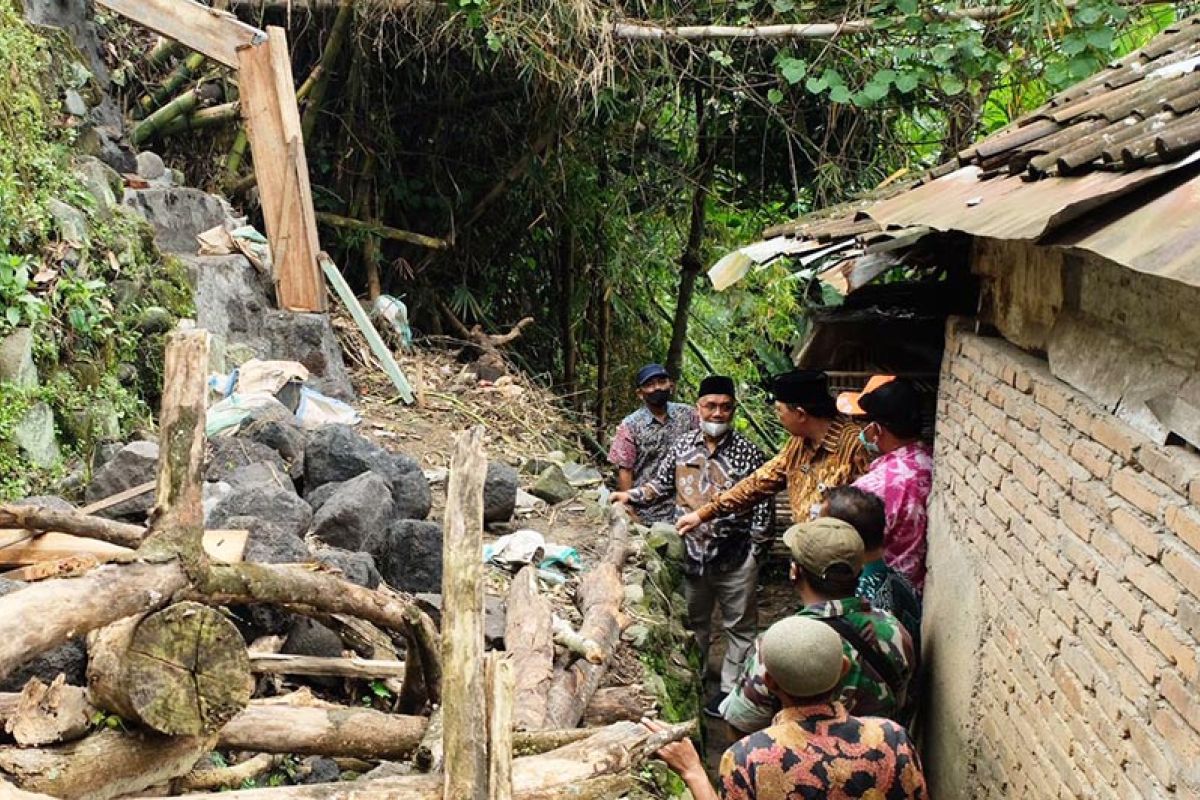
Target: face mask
(658, 398)
(714, 429)
(871, 447)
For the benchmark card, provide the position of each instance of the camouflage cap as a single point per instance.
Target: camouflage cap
(824, 543)
(803, 656)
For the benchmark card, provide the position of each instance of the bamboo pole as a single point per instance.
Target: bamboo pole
(464, 716)
(184, 72)
(329, 57)
(383, 231)
(185, 103)
(203, 118)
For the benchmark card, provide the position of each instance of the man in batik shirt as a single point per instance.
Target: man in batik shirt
(902, 472)
(723, 554)
(815, 749)
(827, 557)
(644, 438)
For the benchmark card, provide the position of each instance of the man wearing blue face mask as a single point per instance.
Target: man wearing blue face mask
(722, 554)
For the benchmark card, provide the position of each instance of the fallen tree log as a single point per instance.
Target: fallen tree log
(200, 780)
(617, 703)
(600, 594)
(609, 751)
(529, 642)
(341, 731)
(104, 765)
(182, 671)
(47, 714)
(282, 664)
(41, 519)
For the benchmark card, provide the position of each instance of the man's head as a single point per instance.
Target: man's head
(892, 408)
(802, 400)
(654, 385)
(827, 556)
(803, 659)
(861, 509)
(716, 405)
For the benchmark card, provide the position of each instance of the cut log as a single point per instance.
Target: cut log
(617, 703)
(279, 664)
(106, 764)
(49, 714)
(429, 755)
(462, 623)
(182, 671)
(500, 733)
(342, 731)
(580, 645)
(528, 638)
(600, 595)
(38, 518)
(200, 780)
(602, 788)
(423, 687)
(223, 545)
(610, 751)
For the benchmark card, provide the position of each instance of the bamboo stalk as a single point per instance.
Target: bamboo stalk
(203, 118)
(185, 103)
(383, 231)
(329, 57)
(184, 72)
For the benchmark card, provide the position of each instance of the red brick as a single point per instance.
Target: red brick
(1189, 615)
(1087, 599)
(1182, 698)
(1184, 567)
(1017, 495)
(1058, 466)
(1135, 528)
(1116, 436)
(1095, 495)
(1085, 559)
(1171, 464)
(1144, 658)
(999, 506)
(1142, 490)
(1169, 640)
(1053, 395)
(1095, 458)
(1185, 523)
(1153, 754)
(1114, 549)
(1081, 417)
(1154, 582)
(1081, 521)
(1125, 601)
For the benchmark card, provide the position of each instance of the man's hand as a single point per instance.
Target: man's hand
(619, 497)
(687, 523)
(683, 758)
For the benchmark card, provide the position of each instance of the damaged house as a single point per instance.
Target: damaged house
(1058, 328)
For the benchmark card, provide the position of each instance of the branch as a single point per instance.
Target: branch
(43, 520)
(375, 229)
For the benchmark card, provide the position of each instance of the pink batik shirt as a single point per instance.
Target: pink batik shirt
(903, 479)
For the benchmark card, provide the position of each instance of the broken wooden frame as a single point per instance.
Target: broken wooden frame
(272, 119)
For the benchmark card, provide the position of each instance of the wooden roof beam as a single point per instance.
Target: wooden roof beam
(217, 34)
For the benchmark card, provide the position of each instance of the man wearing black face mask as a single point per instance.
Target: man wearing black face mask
(645, 437)
(723, 554)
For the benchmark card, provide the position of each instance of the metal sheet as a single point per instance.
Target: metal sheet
(1009, 207)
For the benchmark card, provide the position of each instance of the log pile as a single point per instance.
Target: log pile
(170, 679)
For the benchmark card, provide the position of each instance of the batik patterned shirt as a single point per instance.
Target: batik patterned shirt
(751, 705)
(692, 476)
(641, 444)
(820, 752)
(806, 470)
(903, 479)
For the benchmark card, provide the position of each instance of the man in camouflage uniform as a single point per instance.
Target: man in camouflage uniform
(827, 557)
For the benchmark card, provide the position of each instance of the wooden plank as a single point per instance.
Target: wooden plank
(119, 497)
(221, 545)
(217, 34)
(500, 729)
(281, 664)
(381, 351)
(464, 707)
(268, 105)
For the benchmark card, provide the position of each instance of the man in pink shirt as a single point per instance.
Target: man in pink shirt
(902, 473)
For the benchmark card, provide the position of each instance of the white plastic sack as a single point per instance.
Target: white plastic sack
(519, 547)
(256, 376)
(233, 410)
(315, 410)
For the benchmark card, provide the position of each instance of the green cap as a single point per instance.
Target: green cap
(824, 543)
(803, 656)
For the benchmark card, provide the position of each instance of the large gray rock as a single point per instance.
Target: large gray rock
(409, 555)
(356, 513)
(279, 507)
(227, 454)
(75, 17)
(69, 222)
(69, 659)
(260, 474)
(357, 568)
(284, 436)
(267, 544)
(552, 486)
(318, 496)
(99, 421)
(101, 181)
(135, 464)
(338, 453)
(35, 437)
(499, 492)
(105, 143)
(495, 614)
(231, 298)
(309, 339)
(177, 215)
(50, 501)
(310, 638)
(150, 165)
(16, 359)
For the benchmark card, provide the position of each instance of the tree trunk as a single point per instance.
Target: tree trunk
(182, 671)
(600, 594)
(690, 263)
(603, 334)
(365, 669)
(530, 643)
(315, 730)
(49, 714)
(106, 764)
(566, 321)
(42, 520)
(615, 704)
(462, 623)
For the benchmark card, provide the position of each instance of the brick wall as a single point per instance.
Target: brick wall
(1063, 606)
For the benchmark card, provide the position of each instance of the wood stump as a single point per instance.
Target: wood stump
(182, 671)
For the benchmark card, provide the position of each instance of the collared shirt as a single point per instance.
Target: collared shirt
(750, 706)
(903, 479)
(820, 751)
(806, 470)
(692, 476)
(641, 444)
